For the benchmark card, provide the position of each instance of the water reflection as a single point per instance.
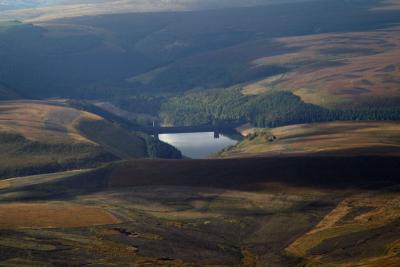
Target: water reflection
(198, 145)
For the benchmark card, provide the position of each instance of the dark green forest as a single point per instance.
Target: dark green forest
(220, 106)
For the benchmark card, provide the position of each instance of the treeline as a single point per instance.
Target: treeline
(140, 103)
(267, 110)
(204, 107)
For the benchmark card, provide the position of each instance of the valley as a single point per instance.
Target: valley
(200, 133)
(287, 196)
(260, 69)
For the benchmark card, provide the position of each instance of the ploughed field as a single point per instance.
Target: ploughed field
(286, 211)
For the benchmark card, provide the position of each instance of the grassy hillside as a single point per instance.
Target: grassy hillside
(296, 47)
(237, 212)
(336, 70)
(168, 45)
(339, 138)
(40, 136)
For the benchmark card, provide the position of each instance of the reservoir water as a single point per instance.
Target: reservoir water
(198, 145)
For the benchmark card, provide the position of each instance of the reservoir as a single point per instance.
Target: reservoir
(198, 145)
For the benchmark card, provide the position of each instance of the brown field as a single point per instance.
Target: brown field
(4, 184)
(52, 215)
(330, 69)
(340, 138)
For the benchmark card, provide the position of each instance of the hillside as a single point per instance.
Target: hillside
(337, 70)
(137, 43)
(309, 78)
(48, 136)
(292, 51)
(88, 88)
(240, 212)
(337, 138)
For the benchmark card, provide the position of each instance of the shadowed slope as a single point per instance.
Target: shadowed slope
(319, 172)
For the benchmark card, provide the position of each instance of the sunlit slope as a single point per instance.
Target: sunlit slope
(337, 70)
(40, 136)
(43, 121)
(336, 138)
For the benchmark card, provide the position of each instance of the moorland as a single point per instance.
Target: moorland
(313, 85)
(236, 212)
